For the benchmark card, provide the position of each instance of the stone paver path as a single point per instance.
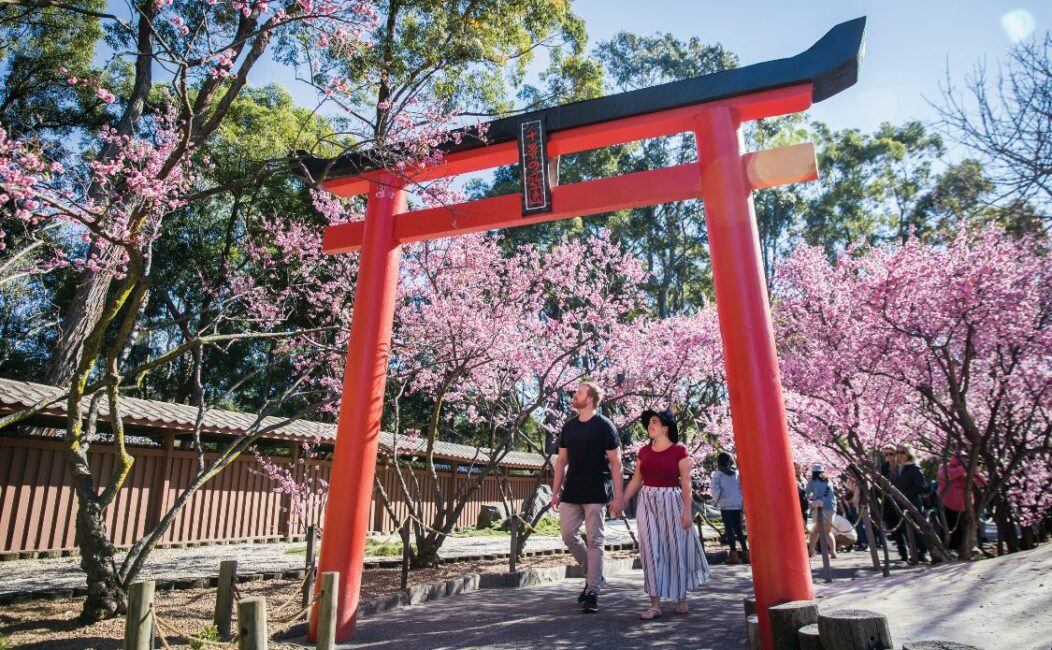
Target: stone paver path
(548, 616)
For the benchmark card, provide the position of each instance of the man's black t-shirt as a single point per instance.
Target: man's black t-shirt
(586, 445)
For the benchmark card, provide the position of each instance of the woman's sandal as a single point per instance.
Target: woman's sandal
(650, 614)
(681, 608)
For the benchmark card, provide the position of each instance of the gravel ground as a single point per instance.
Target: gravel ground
(52, 625)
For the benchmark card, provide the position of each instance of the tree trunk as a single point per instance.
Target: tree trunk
(105, 598)
(85, 311)
(1005, 528)
(969, 534)
(426, 555)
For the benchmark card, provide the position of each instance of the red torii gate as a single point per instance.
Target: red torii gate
(713, 108)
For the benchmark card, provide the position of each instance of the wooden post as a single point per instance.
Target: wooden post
(513, 523)
(225, 597)
(807, 637)
(752, 625)
(252, 623)
(310, 564)
(406, 554)
(138, 625)
(854, 629)
(327, 611)
(749, 604)
(885, 567)
(827, 570)
(911, 538)
(867, 525)
(788, 618)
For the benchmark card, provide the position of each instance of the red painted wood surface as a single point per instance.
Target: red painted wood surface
(560, 143)
(780, 567)
(358, 426)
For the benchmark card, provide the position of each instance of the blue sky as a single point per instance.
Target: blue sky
(909, 43)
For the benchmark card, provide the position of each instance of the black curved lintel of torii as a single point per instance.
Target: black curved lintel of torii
(830, 66)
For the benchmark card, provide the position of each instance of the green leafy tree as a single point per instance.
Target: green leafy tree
(870, 184)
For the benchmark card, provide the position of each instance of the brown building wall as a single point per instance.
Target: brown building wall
(38, 508)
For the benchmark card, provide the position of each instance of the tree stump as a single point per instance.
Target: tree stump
(749, 603)
(937, 645)
(807, 637)
(787, 619)
(752, 624)
(854, 629)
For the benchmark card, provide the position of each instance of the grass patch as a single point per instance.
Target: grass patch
(547, 526)
(205, 637)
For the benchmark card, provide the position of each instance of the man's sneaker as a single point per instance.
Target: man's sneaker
(584, 592)
(591, 603)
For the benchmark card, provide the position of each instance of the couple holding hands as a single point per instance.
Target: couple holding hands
(589, 454)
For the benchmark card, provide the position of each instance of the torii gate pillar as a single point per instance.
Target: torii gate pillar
(780, 566)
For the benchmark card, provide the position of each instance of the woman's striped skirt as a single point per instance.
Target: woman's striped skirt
(673, 560)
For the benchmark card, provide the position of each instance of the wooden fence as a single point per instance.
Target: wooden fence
(38, 507)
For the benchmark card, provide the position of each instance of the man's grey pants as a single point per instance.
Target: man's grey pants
(590, 557)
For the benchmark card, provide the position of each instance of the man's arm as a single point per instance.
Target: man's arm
(557, 482)
(617, 475)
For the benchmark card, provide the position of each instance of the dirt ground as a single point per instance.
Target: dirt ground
(53, 625)
(1000, 603)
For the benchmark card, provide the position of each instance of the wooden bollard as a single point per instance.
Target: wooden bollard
(513, 524)
(138, 625)
(854, 629)
(308, 582)
(330, 581)
(749, 604)
(252, 624)
(937, 645)
(807, 637)
(752, 625)
(787, 619)
(225, 597)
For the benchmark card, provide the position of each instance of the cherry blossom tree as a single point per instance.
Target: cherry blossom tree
(99, 202)
(491, 341)
(944, 346)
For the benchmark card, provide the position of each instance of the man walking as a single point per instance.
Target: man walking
(589, 457)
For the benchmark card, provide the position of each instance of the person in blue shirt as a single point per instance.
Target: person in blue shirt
(820, 492)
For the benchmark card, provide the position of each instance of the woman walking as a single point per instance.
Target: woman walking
(673, 560)
(727, 491)
(821, 494)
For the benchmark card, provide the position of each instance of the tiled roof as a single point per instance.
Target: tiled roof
(165, 416)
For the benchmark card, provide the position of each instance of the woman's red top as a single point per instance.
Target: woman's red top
(661, 468)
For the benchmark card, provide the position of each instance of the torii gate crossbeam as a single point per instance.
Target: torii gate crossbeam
(713, 107)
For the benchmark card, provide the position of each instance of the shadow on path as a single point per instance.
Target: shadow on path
(549, 616)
